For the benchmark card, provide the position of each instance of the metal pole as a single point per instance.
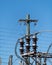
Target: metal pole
(28, 24)
(28, 33)
(0, 61)
(10, 60)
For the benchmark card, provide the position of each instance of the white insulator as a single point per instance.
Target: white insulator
(21, 47)
(34, 36)
(21, 40)
(27, 44)
(34, 44)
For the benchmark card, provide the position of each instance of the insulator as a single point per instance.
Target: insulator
(27, 46)
(27, 39)
(21, 42)
(21, 46)
(34, 46)
(34, 38)
(21, 50)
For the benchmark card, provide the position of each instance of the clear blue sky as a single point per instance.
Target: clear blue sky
(10, 30)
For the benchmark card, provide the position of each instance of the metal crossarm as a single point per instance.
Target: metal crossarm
(26, 20)
(45, 55)
(38, 54)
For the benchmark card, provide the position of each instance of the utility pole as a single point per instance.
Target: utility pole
(10, 60)
(0, 60)
(28, 50)
(27, 21)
